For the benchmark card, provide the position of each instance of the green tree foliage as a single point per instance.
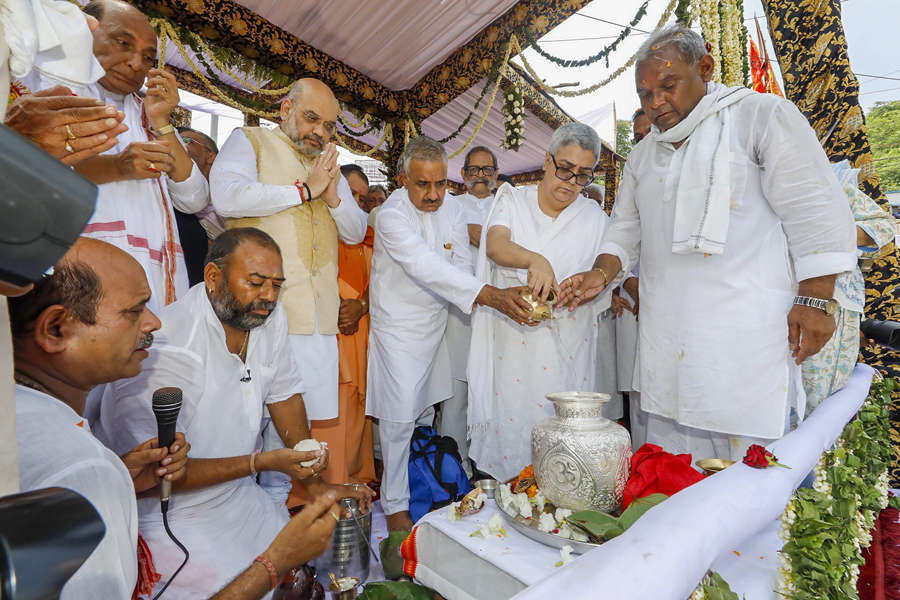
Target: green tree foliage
(883, 122)
(623, 137)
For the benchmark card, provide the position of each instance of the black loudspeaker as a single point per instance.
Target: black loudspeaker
(885, 333)
(44, 206)
(45, 536)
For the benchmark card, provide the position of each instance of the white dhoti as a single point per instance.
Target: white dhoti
(452, 420)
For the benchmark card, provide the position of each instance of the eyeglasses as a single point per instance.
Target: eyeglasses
(566, 174)
(314, 119)
(475, 171)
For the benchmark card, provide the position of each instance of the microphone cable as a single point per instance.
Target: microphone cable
(187, 555)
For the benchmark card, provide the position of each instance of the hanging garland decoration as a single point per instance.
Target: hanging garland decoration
(166, 32)
(386, 136)
(711, 23)
(745, 53)
(455, 134)
(731, 49)
(513, 123)
(826, 528)
(226, 98)
(205, 50)
(530, 40)
(342, 117)
(683, 13)
(513, 43)
(573, 94)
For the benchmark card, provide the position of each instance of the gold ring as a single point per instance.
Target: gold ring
(336, 520)
(152, 167)
(69, 134)
(69, 148)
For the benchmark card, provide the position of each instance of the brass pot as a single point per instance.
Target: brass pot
(540, 311)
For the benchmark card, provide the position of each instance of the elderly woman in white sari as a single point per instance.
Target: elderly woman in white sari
(537, 236)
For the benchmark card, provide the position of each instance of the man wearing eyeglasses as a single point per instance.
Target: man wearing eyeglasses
(536, 236)
(479, 172)
(286, 182)
(195, 230)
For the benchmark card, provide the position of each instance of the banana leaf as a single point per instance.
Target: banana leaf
(395, 590)
(602, 526)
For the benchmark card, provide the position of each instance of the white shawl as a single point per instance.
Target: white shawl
(703, 200)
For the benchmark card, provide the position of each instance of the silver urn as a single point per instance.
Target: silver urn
(581, 459)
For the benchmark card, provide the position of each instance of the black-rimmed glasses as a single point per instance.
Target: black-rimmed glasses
(566, 174)
(476, 171)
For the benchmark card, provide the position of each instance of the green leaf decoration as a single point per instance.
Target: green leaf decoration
(603, 526)
(396, 590)
(638, 507)
(596, 524)
(389, 550)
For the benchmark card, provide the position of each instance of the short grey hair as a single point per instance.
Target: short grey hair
(576, 134)
(296, 91)
(688, 42)
(422, 148)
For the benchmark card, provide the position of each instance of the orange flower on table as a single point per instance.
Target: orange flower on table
(527, 473)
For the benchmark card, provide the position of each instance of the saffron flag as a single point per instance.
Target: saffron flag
(756, 69)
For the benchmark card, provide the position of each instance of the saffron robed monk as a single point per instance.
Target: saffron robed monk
(421, 264)
(286, 182)
(741, 228)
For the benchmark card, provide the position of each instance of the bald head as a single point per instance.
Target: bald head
(87, 323)
(124, 44)
(309, 115)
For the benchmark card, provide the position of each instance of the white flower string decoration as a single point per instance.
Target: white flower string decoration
(709, 20)
(514, 122)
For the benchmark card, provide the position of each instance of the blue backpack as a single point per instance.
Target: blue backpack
(436, 475)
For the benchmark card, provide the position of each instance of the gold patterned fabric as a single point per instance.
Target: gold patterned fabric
(812, 52)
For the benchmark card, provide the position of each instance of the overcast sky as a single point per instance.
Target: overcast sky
(872, 28)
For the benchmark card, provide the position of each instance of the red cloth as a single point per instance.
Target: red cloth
(757, 73)
(147, 576)
(656, 471)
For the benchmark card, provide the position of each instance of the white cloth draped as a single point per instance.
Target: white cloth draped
(670, 548)
(703, 201)
(56, 448)
(713, 338)
(420, 264)
(224, 525)
(52, 38)
(512, 367)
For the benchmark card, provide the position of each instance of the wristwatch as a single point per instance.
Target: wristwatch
(828, 306)
(164, 130)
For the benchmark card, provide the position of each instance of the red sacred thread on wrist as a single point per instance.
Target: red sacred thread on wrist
(299, 187)
(273, 574)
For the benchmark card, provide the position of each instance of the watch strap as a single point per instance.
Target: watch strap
(820, 303)
(164, 130)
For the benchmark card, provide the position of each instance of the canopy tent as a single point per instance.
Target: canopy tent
(392, 79)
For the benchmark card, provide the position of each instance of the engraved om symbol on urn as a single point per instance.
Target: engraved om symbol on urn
(581, 459)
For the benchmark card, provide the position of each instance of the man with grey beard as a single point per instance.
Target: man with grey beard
(225, 344)
(286, 182)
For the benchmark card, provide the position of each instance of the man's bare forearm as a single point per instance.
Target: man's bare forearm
(289, 419)
(817, 287)
(204, 472)
(100, 169)
(255, 582)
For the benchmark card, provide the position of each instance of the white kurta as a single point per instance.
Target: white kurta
(237, 192)
(713, 337)
(56, 448)
(512, 367)
(225, 525)
(420, 264)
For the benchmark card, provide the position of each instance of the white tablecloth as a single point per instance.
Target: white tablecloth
(728, 522)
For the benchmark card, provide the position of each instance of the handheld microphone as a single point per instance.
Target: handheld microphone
(166, 404)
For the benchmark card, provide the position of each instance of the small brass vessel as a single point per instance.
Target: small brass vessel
(540, 311)
(713, 465)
